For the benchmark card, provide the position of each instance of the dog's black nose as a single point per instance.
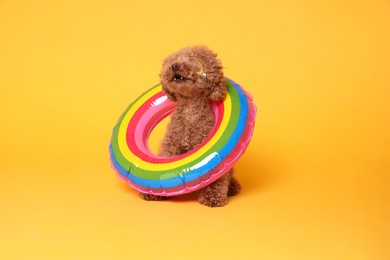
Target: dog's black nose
(175, 67)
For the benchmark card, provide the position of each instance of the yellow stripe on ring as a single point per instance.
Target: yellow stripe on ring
(126, 152)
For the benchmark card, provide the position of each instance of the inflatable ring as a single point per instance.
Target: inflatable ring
(167, 176)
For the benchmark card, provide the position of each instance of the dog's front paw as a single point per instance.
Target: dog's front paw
(151, 197)
(212, 199)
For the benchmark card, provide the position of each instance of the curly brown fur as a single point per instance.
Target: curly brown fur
(193, 77)
(146, 196)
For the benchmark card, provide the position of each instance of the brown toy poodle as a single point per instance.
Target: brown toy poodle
(193, 77)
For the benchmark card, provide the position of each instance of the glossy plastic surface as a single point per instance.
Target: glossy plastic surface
(132, 160)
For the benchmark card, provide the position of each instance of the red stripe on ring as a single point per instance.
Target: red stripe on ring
(210, 176)
(157, 115)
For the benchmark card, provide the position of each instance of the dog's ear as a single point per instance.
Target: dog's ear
(218, 92)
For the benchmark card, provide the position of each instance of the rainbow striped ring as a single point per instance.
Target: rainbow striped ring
(148, 173)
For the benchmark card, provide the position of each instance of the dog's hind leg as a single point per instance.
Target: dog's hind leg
(234, 186)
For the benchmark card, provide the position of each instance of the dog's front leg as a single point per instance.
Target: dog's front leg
(216, 193)
(151, 197)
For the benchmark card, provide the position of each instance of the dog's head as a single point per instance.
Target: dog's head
(193, 72)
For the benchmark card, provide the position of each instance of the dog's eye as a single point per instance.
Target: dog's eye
(196, 65)
(201, 72)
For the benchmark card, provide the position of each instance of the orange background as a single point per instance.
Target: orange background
(315, 177)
